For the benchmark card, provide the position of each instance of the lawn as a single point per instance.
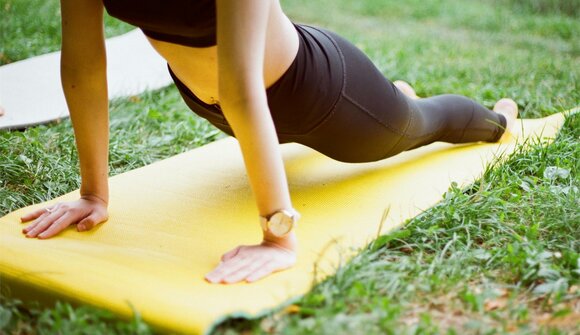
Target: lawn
(500, 256)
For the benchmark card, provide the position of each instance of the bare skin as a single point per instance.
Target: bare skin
(197, 68)
(256, 44)
(509, 109)
(407, 89)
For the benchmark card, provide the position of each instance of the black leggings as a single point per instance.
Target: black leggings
(334, 100)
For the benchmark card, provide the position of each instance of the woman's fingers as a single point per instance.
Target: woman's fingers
(33, 215)
(44, 222)
(52, 225)
(38, 216)
(33, 224)
(89, 222)
(251, 263)
(49, 222)
(263, 272)
(227, 267)
(57, 226)
(282, 261)
(245, 271)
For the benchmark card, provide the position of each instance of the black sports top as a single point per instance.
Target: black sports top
(186, 22)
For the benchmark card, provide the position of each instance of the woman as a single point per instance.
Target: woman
(254, 74)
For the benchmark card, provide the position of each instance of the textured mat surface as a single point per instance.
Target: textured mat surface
(171, 221)
(31, 93)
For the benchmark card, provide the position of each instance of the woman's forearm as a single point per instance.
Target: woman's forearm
(84, 80)
(254, 129)
(85, 89)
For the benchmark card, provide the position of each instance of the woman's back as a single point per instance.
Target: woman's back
(184, 33)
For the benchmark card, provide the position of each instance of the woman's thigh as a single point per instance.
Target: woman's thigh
(370, 116)
(373, 119)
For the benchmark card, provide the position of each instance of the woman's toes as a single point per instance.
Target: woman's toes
(407, 89)
(509, 109)
(506, 103)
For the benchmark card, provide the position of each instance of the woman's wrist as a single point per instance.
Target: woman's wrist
(289, 241)
(94, 197)
(95, 190)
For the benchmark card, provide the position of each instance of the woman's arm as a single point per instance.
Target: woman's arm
(242, 94)
(84, 81)
(241, 27)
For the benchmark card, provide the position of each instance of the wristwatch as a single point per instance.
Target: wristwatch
(281, 222)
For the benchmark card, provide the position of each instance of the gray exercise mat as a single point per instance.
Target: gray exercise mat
(31, 92)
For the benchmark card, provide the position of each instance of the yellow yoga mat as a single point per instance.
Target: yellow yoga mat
(171, 221)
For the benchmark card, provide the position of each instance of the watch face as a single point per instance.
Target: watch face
(280, 224)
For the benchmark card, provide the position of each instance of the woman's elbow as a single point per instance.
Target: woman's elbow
(240, 98)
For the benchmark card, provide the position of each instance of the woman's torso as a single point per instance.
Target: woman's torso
(196, 66)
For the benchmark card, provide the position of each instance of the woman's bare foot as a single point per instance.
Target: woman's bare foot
(509, 109)
(407, 89)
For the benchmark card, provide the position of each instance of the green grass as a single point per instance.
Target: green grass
(40, 163)
(495, 257)
(16, 318)
(500, 256)
(564, 7)
(30, 28)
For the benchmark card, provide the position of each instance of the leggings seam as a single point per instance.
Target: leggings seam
(500, 129)
(411, 115)
(364, 109)
(347, 97)
(398, 132)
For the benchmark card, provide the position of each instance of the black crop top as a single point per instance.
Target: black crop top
(186, 22)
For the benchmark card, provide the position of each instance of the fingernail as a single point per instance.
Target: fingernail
(81, 227)
(41, 235)
(215, 280)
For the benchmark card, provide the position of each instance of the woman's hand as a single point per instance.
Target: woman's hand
(86, 212)
(253, 262)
